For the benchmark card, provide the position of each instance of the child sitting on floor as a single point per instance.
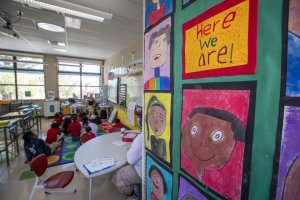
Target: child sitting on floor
(80, 116)
(118, 124)
(58, 118)
(93, 124)
(75, 129)
(84, 123)
(34, 146)
(65, 127)
(54, 134)
(87, 135)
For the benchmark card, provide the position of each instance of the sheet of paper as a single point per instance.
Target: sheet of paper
(130, 135)
(119, 143)
(99, 164)
(130, 113)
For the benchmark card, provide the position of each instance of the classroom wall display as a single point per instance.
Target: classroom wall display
(216, 135)
(158, 179)
(156, 10)
(158, 57)
(222, 41)
(288, 174)
(157, 116)
(187, 191)
(293, 43)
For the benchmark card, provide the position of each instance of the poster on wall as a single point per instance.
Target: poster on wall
(187, 191)
(288, 174)
(157, 117)
(293, 55)
(158, 57)
(159, 180)
(222, 41)
(216, 135)
(156, 10)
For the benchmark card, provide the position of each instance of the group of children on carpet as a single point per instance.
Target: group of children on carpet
(81, 127)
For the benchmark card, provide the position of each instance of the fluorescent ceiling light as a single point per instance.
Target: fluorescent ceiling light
(50, 27)
(62, 44)
(67, 8)
(61, 50)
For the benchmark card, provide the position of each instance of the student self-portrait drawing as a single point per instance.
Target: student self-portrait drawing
(188, 191)
(288, 175)
(156, 10)
(209, 136)
(293, 56)
(158, 181)
(292, 182)
(213, 138)
(157, 61)
(157, 119)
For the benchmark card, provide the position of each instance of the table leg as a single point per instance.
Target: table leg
(90, 189)
(39, 114)
(37, 122)
(6, 146)
(17, 138)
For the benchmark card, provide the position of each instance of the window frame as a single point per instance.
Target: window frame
(15, 70)
(80, 65)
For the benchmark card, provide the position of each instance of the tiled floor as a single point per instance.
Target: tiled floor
(13, 189)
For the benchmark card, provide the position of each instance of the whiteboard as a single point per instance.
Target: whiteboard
(135, 88)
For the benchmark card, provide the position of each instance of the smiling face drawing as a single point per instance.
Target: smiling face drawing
(208, 142)
(158, 51)
(157, 184)
(157, 119)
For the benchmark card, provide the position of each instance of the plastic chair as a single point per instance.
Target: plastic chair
(114, 129)
(84, 137)
(54, 183)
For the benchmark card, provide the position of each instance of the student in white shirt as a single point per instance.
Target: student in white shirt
(93, 125)
(125, 178)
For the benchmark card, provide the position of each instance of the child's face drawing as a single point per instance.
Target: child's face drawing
(158, 51)
(157, 184)
(208, 142)
(157, 119)
(294, 17)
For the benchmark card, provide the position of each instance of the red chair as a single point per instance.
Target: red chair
(84, 137)
(114, 129)
(54, 183)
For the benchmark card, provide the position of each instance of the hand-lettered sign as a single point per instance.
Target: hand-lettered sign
(222, 41)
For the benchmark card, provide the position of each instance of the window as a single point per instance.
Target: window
(78, 78)
(21, 77)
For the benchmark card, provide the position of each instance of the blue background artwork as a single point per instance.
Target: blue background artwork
(293, 66)
(167, 176)
(152, 6)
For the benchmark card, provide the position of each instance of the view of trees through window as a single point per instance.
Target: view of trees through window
(78, 78)
(21, 77)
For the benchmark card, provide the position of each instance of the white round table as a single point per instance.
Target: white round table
(97, 148)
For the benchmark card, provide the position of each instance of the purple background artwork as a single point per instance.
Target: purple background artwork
(186, 188)
(290, 145)
(165, 69)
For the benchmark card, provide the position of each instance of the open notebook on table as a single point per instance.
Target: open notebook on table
(99, 164)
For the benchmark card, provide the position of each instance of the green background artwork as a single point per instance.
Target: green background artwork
(268, 77)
